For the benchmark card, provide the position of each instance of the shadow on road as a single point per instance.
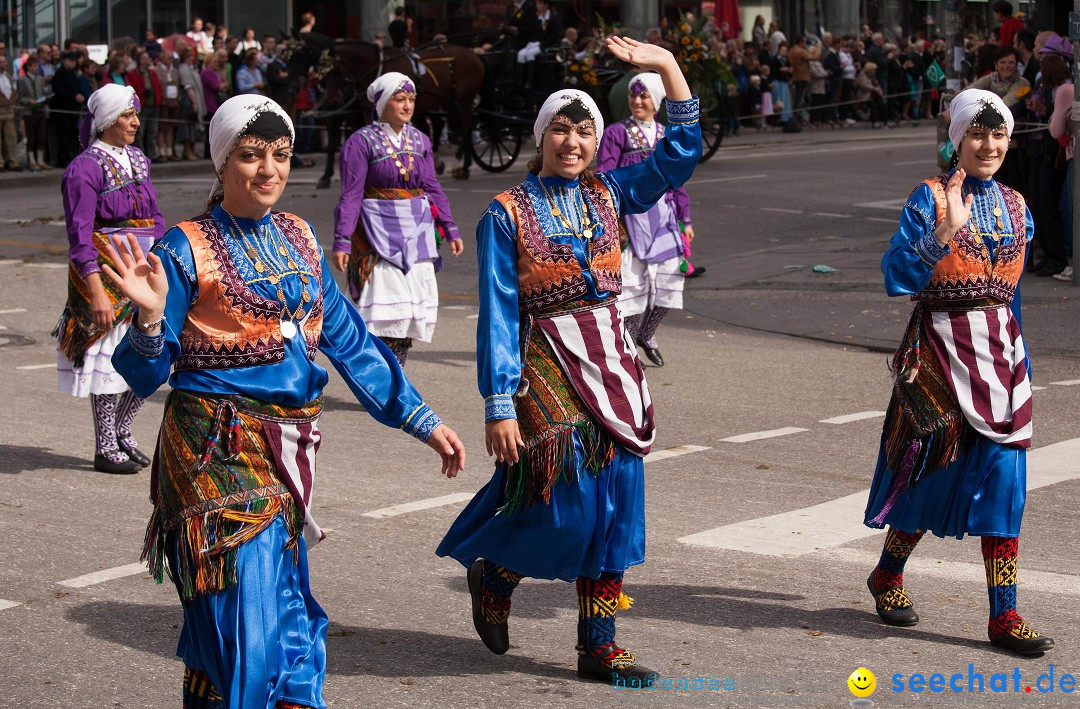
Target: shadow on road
(25, 459)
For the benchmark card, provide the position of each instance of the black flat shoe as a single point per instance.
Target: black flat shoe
(589, 667)
(899, 617)
(135, 454)
(698, 271)
(652, 353)
(104, 465)
(1023, 646)
(495, 637)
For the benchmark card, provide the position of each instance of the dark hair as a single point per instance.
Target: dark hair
(1027, 38)
(984, 59)
(1003, 7)
(1055, 71)
(1005, 51)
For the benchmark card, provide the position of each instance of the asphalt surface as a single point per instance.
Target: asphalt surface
(767, 346)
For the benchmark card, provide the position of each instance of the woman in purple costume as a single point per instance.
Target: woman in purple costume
(654, 248)
(391, 218)
(107, 195)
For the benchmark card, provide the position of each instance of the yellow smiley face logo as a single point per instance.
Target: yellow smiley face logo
(862, 682)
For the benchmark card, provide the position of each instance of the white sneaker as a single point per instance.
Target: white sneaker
(1065, 275)
(849, 121)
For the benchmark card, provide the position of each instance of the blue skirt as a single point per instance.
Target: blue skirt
(781, 91)
(593, 524)
(263, 639)
(981, 493)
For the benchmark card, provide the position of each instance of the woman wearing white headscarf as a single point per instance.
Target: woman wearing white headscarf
(391, 217)
(567, 410)
(107, 193)
(654, 250)
(235, 303)
(952, 459)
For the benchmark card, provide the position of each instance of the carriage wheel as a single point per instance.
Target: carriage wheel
(494, 147)
(712, 133)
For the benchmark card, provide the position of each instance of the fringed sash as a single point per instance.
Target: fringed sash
(75, 330)
(223, 471)
(960, 372)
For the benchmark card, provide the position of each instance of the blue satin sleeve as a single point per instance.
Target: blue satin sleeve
(636, 188)
(369, 367)
(144, 361)
(913, 251)
(498, 355)
(1029, 234)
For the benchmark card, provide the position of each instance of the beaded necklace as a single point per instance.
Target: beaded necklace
(578, 204)
(395, 153)
(986, 214)
(280, 263)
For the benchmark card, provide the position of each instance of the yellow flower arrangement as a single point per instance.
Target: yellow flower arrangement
(706, 71)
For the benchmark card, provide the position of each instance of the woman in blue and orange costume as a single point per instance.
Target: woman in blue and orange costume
(237, 302)
(652, 282)
(107, 195)
(391, 217)
(567, 409)
(953, 451)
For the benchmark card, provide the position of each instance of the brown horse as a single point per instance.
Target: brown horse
(450, 79)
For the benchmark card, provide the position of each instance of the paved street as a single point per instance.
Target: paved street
(770, 409)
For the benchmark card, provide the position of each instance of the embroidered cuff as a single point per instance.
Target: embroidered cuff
(422, 423)
(146, 345)
(85, 269)
(498, 407)
(683, 112)
(929, 250)
(342, 245)
(452, 234)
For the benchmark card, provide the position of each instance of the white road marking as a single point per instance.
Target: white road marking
(848, 418)
(26, 367)
(912, 162)
(1035, 388)
(758, 435)
(726, 179)
(46, 265)
(837, 522)
(781, 209)
(8, 261)
(474, 316)
(890, 204)
(457, 307)
(1042, 581)
(118, 572)
(1066, 383)
(879, 219)
(9, 311)
(4, 605)
(3, 327)
(419, 505)
(673, 452)
(832, 214)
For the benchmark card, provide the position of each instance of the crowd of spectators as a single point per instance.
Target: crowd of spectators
(180, 82)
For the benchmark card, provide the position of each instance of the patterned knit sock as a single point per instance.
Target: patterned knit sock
(652, 320)
(400, 347)
(888, 576)
(104, 409)
(199, 692)
(497, 585)
(999, 557)
(126, 410)
(633, 326)
(598, 599)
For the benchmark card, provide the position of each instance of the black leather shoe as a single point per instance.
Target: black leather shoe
(495, 637)
(134, 454)
(652, 353)
(589, 667)
(1023, 646)
(900, 617)
(698, 271)
(104, 465)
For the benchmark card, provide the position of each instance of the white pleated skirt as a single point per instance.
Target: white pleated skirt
(96, 375)
(650, 285)
(398, 304)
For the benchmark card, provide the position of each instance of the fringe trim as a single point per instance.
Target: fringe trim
(544, 462)
(75, 337)
(205, 546)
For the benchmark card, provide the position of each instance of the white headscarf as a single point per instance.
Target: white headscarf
(104, 107)
(229, 123)
(383, 88)
(967, 105)
(559, 100)
(653, 84)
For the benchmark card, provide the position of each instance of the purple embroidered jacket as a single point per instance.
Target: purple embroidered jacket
(96, 188)
(367, 162)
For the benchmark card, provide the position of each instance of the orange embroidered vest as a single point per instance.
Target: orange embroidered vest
(967, 273)
(230, 325)
(549, 274)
